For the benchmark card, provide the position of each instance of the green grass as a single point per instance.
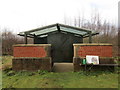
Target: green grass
(6, 62)
(44, 79)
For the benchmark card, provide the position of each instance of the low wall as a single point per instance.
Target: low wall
(104, 51)
(78, 61)
(32, 50)
(32, 64)
(32, 57)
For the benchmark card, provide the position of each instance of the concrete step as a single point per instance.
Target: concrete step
(63, 67)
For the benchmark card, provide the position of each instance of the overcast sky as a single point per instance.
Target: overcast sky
(22, 15)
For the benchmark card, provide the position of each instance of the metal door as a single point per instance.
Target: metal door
(62, 47)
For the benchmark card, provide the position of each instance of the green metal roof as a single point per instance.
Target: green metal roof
(44, 31)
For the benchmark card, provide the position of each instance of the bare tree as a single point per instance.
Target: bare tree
(108, 32)
(8, 40)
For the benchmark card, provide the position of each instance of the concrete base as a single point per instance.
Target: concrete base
(63, 67)
(76, 64)
(78, 61)
(32, 64)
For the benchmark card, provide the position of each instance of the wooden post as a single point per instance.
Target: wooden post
(25, 38)
(90, 37)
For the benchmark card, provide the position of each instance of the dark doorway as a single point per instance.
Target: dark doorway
(62, 46)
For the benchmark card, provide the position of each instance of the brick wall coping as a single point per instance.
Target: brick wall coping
(31, 57)
(99, 57)
(93, 44)
(32, 45)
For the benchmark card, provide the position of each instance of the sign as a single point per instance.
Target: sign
(92, 59)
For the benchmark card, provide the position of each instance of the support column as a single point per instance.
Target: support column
(35, 38)
(90, 37)
(26, 38)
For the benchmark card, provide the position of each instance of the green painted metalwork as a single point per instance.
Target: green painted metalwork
(90, 37)
(72, 30)
(44, 31)
(39, 32)
(26, 38)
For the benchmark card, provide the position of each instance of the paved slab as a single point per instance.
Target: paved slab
(63, 67)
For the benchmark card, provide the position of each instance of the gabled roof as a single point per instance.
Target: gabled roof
(44, 31)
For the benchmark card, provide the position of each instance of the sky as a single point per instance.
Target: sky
(23, 15)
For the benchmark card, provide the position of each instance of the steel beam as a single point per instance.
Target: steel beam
(90, 37)
(26, 38)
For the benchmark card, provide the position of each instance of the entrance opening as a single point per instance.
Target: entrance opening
(63, 67)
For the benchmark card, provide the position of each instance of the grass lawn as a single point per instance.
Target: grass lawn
(6, 62)
(43, 79)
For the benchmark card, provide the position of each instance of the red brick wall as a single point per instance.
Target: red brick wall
(99, 50)
(30, 51)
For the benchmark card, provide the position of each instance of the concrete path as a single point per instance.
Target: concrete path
(63, 67)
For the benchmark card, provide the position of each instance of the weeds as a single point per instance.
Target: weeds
(11, 73)
(25, 73)
(42, 72)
